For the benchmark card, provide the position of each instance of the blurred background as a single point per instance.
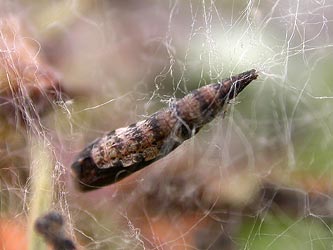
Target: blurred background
(257, 177)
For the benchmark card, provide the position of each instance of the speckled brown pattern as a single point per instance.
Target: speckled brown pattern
(126, 150)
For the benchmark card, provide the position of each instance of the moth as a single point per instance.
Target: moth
(126, 150)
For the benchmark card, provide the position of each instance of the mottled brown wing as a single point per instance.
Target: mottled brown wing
(127, 150)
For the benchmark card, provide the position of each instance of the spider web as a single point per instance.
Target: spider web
(257, 177)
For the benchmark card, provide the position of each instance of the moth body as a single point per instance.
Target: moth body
(129, 149)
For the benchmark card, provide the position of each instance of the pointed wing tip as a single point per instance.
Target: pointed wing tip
(251, 74)
(241, 80)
